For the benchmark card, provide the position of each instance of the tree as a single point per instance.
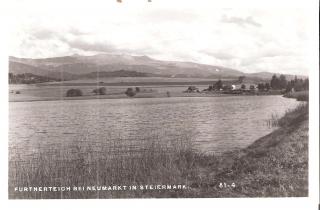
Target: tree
(243, 86)
(218, 85)
(137, 89)
(261, 86)
(298, 85)
(267, 86)
(282, 82)
(274, 83)
(129, 92)
(100, 91)
(289, 87)
(241, 78)
(74, 92)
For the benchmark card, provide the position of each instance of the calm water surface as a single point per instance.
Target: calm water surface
(214, 124)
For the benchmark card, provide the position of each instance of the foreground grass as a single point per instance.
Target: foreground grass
(273, 166)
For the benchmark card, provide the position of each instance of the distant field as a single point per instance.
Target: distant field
(116, 87)
(58, 92)
(134, 81)
(149, 86)
(141, 79)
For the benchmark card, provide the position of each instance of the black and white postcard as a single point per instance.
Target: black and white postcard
(124, 99)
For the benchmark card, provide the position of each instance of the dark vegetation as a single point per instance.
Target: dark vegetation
(130, 92)
(28, 78)
(100, 91)
(275, 86)
(74, 93)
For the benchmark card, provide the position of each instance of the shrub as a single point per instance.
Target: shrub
(74, 92)
(129, 92)
(100, 91)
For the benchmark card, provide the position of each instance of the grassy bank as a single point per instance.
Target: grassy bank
(273, 166)
(300, 96)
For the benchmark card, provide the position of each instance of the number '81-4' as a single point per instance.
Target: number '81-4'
(225, 185)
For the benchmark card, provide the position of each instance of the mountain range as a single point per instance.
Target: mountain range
(115, 65)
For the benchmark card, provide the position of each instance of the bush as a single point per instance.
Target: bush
(129, 92)
(74, 92)
(100, 91)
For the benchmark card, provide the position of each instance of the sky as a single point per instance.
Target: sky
(244, 38)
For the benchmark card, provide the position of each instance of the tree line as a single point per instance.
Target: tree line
(276, 83)
(29, 78)
(281, 83)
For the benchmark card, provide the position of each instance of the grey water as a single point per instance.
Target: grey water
(213, 124)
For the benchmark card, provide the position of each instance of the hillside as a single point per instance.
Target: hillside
(112, 65)
(76, 65)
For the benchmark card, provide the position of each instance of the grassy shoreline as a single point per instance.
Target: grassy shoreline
(300, 95)
(275, 165)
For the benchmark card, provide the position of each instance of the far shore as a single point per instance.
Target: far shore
(22, 98)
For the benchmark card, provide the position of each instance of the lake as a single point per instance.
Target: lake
(213, 124)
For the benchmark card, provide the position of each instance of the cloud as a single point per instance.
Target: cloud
(43, 34)
(169, 15)
(240, 21)
(93, 46)
(230, 38)
(220, 55)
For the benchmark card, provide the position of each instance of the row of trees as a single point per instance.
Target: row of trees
(276, 83)
(101, 91)
(77, 92)
(281, 83)
(217, 86)
(28, 78)
(220, 86)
